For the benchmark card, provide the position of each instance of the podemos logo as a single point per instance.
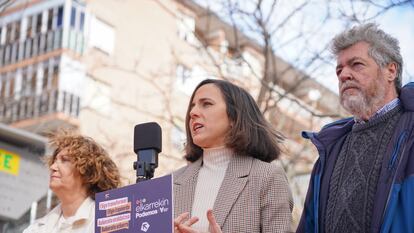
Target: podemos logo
(145, 226)
(145, 209)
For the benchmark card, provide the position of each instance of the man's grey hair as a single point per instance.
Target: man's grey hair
(384, 48)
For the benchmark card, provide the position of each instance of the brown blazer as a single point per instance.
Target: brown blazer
(254, 196)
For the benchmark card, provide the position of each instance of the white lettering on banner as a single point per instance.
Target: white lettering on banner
(144, 209)
(142, 206)
(113, 219)
(104, 205)
(146, 214)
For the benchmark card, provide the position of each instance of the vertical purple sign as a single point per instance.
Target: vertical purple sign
(144, 207)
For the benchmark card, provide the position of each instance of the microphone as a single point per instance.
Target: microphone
(147, 145)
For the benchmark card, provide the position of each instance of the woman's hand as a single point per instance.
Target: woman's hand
(186, 226)
(181, 221)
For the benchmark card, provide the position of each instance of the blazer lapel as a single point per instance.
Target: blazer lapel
(234, 182)
(184, 188)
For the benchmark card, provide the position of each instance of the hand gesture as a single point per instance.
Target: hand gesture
(182, 226)
(181, 221)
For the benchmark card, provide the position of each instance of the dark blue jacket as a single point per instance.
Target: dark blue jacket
(394, 199)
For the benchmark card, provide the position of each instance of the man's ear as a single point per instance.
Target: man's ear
(391, 71)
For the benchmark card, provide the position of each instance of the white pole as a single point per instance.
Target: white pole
(48, 200)
(33, 211)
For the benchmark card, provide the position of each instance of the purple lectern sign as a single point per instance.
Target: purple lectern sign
(143, 207)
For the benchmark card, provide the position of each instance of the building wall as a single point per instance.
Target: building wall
(140, 80)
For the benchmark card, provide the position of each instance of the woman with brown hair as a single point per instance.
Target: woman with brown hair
(230, 184)
(79, 168)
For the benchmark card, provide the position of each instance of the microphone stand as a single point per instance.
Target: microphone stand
(147, 161)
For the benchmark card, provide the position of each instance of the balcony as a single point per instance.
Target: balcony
(51, 109)
(40, 44)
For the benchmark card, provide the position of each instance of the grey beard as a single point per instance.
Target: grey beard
(362, 106)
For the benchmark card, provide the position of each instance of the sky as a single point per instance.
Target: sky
(398, 22)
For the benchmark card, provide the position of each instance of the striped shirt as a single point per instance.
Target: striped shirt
(386, 108)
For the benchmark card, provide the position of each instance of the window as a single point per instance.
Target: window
(33, 81)
(50, 20)
(46, 75)
(102, 36)
(39, 23)
(77, 18)
(5, 57)
(17, 30)
(6, 85)
(183, 75)
(82, 21)
(60, 17)
(25, 81)
(55, 76)
(11, 85)
(3, 29)
(186, 28)
(2, 86)
(187, 80)
(73, 17)
(9, 29)
(29, 29)
(50, 74)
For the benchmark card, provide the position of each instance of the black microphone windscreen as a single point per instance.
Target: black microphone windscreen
(147, 136)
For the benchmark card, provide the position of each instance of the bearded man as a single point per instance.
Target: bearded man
(363, 180)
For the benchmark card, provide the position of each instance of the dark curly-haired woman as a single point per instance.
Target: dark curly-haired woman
(79, 168)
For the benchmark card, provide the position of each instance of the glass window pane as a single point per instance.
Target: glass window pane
(29, 33)
(11, 89)
(73, 17)
(55, 76)
(8, 33)
(33, 82)
(82, 20)
(60, 17)
(39, 23)
(3, 88)
(17, 31)
(45, 76)
(50, 19)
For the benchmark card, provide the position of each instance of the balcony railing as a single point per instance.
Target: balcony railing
(40, 44)
(30, 107)
(31, 47)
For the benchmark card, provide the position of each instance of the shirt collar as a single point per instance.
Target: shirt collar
(386, 108)
(83, 212)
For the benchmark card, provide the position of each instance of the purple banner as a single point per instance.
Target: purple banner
(143, 207)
